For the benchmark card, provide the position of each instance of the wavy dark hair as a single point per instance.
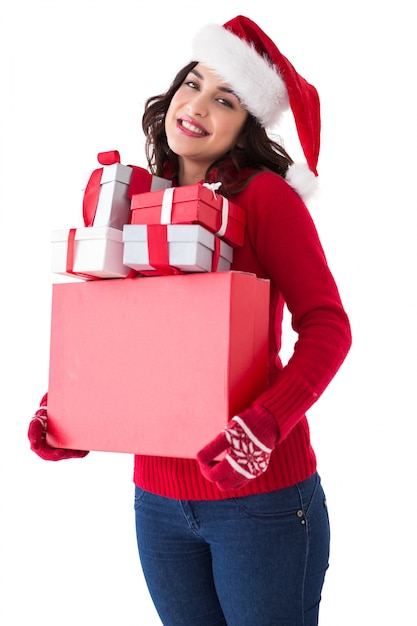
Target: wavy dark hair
(254, 151)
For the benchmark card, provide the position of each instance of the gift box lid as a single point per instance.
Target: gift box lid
(175, 233)
(115, 172)
(188, 193)
(89, 232)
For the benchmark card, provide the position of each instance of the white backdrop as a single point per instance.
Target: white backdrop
(74, 76)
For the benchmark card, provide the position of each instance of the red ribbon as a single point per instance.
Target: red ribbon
(158, 249)
(216, 255)
(140, 181)
(108, 158)
(92, 189)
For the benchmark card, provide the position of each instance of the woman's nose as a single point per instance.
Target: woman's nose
(198, 105)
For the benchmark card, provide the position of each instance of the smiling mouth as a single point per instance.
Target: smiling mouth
(192, 128)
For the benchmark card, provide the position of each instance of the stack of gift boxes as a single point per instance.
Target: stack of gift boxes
(152, 366)
(132, 220)
(94, 249)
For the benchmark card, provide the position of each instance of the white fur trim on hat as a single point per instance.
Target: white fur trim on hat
(302, 180)
(254, 79)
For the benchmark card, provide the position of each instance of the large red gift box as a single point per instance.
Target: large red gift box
(191, 204)
(154, 365)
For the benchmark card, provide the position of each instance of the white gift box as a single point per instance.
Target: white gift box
(97, 252)
(190, 247)
(113, 206)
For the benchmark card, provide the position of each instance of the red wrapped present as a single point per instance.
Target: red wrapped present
(191, 204)
(154, 366)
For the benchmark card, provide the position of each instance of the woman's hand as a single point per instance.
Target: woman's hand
(37, 437)
(248, 441)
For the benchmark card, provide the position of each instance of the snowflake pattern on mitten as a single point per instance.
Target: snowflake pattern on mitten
(247, 455)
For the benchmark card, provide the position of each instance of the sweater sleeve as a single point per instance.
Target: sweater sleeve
(282, 237)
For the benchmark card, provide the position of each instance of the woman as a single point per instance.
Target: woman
(240, 535)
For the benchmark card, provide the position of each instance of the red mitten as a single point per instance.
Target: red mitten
(248, 441)
(37, 438)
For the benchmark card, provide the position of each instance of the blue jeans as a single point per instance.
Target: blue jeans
(257, 560)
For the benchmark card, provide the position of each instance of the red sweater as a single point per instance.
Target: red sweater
(281, 244)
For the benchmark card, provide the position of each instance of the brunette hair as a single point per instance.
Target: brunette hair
(254, 151)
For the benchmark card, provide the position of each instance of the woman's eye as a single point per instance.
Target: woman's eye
(192, 84)
(225, 102)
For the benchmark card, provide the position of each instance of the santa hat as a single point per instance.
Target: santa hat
(241, 54)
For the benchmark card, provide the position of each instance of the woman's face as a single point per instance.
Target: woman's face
(203, 122)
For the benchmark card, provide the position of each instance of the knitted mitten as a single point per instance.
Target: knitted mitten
(248, 441)
(37, 437)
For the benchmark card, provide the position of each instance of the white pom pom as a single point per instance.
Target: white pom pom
(302, 179)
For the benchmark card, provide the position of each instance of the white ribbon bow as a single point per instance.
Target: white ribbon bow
(225, 208)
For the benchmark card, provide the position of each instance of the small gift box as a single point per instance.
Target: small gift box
(107, 191)
(166, 248)
(155, 366)
(89, 252)
(199, 204)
